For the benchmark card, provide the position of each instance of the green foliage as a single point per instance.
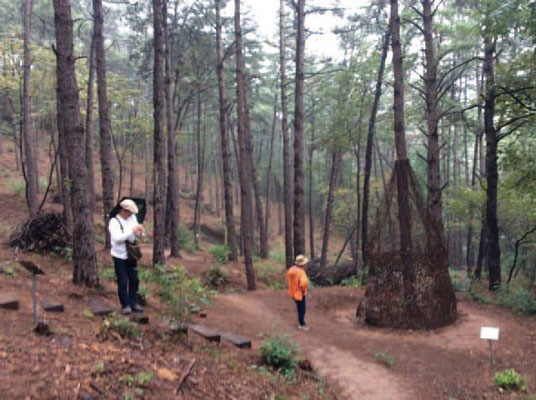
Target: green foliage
(186, 239)
(510, 380)
(180, 293)
(121, 325)
(354, 281)
(107, 274)
(216, 276)
(280, 354)
(144, 377)
(278, 255)
(219, 252)
(384, 358)
(517, 298)
(63, 252)
(480, 295)
(271, 275)
(460, 281)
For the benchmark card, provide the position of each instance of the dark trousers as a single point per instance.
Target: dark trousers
(300, 305)
(127, 281)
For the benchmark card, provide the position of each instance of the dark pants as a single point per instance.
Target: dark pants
(127, 281)
(300, 305)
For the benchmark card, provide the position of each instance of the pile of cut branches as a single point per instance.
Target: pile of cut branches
(44, 233)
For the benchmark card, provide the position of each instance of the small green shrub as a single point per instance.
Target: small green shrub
(384, 358)
(219, 252)
(186, 240)
(510, 380)
(278, 256)
(121, 325)
(480, 295)
(144, 377)
(517, 298)
(180, 293)
(460, 281)
(107, 274)
(354, 281)
(63, 252)
(280, 354)
(216, 276)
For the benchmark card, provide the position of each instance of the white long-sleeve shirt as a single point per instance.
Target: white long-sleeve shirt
(119, 237)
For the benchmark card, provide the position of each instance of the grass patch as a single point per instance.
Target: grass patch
(121, 325)
(384, 359)
(186, 240)
(271, 275)
(510, 380)
(219, 252)
(517, 298)
(107, 274)
(278, 256)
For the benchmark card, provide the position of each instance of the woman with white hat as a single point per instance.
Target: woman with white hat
(125, 227)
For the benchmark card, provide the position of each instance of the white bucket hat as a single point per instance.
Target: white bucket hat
(129, 205)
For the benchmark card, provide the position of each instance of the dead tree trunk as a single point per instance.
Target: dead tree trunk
(30, 161)
(336, 157)
(246, 186)
(370, 144)
(299, 206)
(493, 253)
(159, 136)
(104, 120)
(226, 166)
(287, 172)
(84, 258)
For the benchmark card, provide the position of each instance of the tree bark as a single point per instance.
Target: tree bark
(159, 136)
(311, 204)
(90, 125)
(224, 142)
(30, 161)
(432, 118)
(299, 207)
(104, 120)
(84, 258)
(246, 185)
(287, 172)
(370, 144)
(336, 157)
(493, 253)
(172, 204)
(200, 170)
(269, 173)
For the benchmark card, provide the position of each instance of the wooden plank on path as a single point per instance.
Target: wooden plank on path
(50, 304)
(9, 301)
(204, 331)
(139, 319)
(98, 307)
(239, 341)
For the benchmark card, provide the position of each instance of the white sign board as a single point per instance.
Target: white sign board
(489, 333)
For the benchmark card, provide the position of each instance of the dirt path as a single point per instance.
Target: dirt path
(447, 363)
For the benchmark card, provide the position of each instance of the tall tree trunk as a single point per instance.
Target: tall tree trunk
(370, 144)
(402, 163)
(287, 172)
(269, 173)
(299, 206)
(311, 204)
(493, 253)
(159, 136)
(172, 204)
(336, 157)
(200, 170)
(90, 125)
(104, 120)
(224, 142)
(246, 185)
(432, 117)
(84, 258)
(30, 161)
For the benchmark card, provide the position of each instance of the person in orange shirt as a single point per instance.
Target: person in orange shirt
(297, 288)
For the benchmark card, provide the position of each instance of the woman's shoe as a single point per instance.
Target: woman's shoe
(127, 310)
(137, 308)
(303, 327)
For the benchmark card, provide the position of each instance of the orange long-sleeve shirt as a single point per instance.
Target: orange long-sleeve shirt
(297, 282)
